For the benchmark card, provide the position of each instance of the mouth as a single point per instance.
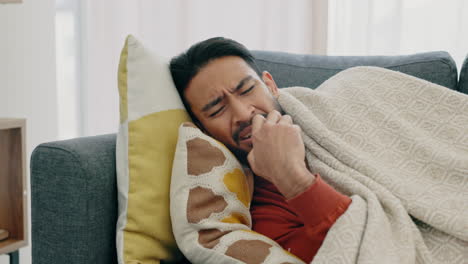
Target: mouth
(246, 139)
(244, 135)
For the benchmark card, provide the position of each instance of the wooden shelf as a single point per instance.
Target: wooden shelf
(13, 194)
(10, 245)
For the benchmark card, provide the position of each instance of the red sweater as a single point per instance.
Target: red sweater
(300, 224)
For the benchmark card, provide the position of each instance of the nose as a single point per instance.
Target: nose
(241, 111)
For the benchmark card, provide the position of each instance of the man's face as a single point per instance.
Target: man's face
(225, 95)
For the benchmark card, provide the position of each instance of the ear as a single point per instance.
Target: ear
(270, 83)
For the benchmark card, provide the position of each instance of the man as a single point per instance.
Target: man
(230, 100)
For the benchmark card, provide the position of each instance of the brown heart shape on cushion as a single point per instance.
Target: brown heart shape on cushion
(202, 157)
(202, 202)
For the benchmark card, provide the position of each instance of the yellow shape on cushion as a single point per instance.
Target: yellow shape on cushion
(122, 82)
(236, 182)
(236, 218)
(152, 142)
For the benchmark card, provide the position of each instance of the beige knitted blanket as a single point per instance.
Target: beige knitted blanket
(398, 145)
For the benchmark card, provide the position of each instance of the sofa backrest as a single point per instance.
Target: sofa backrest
(463, 82)
(312, 70)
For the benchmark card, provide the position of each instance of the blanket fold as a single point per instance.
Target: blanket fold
(397, 145)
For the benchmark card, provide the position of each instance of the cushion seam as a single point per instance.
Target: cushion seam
(61, 149)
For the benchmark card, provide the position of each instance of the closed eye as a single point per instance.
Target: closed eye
(248, 90)
(217, 111)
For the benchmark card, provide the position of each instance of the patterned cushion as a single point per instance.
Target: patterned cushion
(210, 202)
(150, 115)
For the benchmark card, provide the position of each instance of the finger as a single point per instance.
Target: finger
(298, 128)
(273, 117)
(285, 120)
(257, 123)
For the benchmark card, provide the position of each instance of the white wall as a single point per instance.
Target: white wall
(169, 27)
(396, 27)
(27, 75)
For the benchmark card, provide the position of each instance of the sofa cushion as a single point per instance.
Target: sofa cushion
(210, 201)
(312, 70)
(150, 114)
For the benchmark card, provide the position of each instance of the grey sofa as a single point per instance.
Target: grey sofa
(73, 182)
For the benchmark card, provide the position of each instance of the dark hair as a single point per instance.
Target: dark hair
(186, 65)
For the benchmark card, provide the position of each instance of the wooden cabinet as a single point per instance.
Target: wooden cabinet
(13, 190)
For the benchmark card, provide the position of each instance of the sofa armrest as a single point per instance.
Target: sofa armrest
(312, 70)
(74, 201)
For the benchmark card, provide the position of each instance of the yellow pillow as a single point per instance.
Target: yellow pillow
(150, 114)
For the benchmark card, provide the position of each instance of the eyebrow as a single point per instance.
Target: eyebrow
(217, 100)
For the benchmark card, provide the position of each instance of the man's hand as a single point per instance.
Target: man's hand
(278, 154)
